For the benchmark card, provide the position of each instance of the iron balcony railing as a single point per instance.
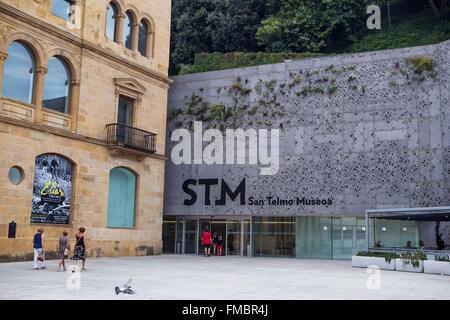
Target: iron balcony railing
(129, 137)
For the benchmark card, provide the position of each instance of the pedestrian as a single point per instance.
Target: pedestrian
(215, 243)
(38, 246)
(220, 243)
(230, 243)
(206, 241)
(63, 250)
(421, 245)
(80, 248)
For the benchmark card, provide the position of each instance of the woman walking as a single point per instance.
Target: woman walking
(80, 248)
(63, 250)
(38, 247)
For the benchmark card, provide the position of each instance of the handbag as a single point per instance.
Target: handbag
(66, 252)
(40, 257)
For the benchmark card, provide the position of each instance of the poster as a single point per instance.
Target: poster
(52, 191)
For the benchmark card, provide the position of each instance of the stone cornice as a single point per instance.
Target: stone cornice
(66, 134)
(82, 43)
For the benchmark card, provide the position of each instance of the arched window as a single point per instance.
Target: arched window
(57, 86)
(128, 30)
(111, 21)
(61, 8)
(121, 198)
(143, 38)
(18, 74)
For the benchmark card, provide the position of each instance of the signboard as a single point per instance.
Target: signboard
(52, 192)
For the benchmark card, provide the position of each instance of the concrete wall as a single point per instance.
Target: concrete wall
(367, 130)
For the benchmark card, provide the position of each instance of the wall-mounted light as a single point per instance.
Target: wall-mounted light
(363, 228)
(383, 229)
(325, 228)
(405, 229)
(344, 228)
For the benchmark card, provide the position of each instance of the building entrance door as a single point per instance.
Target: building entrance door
(214, 226)
(124, 120)
(190, 236)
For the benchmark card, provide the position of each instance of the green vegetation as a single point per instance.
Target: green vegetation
(220, 61)
(212, 35)
(413, 31)
(332, 90)
(420, 64)
(413, 258)
(239, 88)
(216, 112)
(388, 256)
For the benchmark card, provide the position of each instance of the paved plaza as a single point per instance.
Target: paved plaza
(196, 277)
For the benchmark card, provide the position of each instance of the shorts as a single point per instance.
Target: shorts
(219, 247)
(206, 246)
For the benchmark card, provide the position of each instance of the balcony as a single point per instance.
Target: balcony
(123, 137)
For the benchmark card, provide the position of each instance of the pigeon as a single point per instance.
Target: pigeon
(126, 289)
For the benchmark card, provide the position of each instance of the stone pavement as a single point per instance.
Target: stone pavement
(230, 278)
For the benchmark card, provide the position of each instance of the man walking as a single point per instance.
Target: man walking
(38, 247)
(206, 241)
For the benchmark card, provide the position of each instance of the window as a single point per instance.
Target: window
(121, 198)
(18, 74)
(143, 38)
(56, 86)
(61, 8)
(128, 30)
(111, 22)
(15, 175)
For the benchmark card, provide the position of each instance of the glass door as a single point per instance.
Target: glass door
(190, 237)
(215, 227)
(124, 119)
(246, 243)
(234, 237)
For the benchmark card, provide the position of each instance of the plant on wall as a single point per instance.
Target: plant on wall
(413, 258)
(388, 256)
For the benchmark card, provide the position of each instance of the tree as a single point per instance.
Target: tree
(305, 25)
(213, 25)
(441, 8)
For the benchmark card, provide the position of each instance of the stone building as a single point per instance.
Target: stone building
(82, 123)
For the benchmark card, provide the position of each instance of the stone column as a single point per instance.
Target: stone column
(135, 37)
(119, 29)
(150, 44)
(38, 92)
(3, 57)
(74, 104)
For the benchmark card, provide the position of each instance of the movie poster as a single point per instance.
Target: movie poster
(52, 192)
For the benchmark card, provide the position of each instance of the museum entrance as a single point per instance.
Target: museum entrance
(235, 233)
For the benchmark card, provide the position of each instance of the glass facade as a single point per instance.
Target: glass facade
(304, 237)
(313, 238)
(274, 237)
(394, 233)
(169, 234)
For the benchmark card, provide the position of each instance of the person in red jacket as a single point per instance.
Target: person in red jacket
(206, 241)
